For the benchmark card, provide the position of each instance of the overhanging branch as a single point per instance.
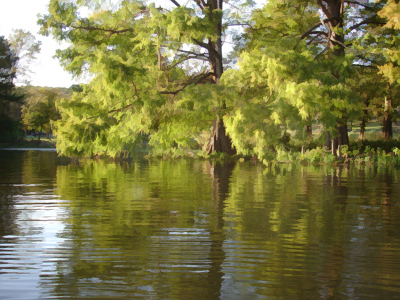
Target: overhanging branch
(185, 58)
(357, 3)
(176, 3)
(194, 53)
(114, 110)
(324, 9)
(209, 48)
(200, 4)
(309, 31)
(370, 20)
(196, 79)
(102, 29)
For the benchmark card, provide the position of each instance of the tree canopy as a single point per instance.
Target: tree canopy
(160, 73)
(39, 109)
(8, 61)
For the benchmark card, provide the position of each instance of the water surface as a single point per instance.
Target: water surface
(189, 229)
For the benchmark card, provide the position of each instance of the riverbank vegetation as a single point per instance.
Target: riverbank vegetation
(32, 113)
(300, 75)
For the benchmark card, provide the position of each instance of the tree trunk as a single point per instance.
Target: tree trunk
(309, 131)
(387, 120)
(219, 140)
(40, 132)
(334, 146)
(362, 130)
(334, 9)
(327, 143)
(364, 120)
(343, 136)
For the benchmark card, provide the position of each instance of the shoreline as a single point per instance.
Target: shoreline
(27, 149)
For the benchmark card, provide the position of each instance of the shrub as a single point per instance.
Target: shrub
(10, 130)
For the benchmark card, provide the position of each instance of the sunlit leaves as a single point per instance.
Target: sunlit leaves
(39, 109)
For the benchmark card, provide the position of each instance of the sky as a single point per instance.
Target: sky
(22, 14)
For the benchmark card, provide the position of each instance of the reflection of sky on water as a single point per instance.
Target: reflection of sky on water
(27, 258)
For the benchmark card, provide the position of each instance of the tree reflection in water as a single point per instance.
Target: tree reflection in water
(190, 229)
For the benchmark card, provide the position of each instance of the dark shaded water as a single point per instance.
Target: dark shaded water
(193, 230)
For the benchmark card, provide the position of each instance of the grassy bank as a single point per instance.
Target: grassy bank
(372, 150)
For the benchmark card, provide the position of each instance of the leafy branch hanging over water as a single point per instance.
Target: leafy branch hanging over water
(159, 74)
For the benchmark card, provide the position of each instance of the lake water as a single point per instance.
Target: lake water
(188, 229)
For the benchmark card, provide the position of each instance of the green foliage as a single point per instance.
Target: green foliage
(137, 54)
(379, 158)
(396, 151)
(313, 156)
(318, 155)
(8, 62)
(76, 88)
(386, 145)
(391, 52)
(282, 82)
(296, 144)
(291, 73)
(39, 109)
(10, 130)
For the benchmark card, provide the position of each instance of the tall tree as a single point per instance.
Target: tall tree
(26, 47)
(9, 127)
(390, 12)
(147, 60)
(8, 62)
(39, 109)
(325, 43)
(390, 38)
(294, 59)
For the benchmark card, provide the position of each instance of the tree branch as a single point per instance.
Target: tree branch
(182, 59)
(364, 66)
(313, 39)
(208, 47)
(199, 77)
(238, 25)
(176, 3)
(103, 29)
(201, 44)
(309, 31)
(322, 52)
(230, 4)
(337, 42)
(357, 3)
(370, 20)
(317, 32)
(255, 94)
(114, 110)
(324, 9)
(200, 4)
(204, 4)
(194, 53)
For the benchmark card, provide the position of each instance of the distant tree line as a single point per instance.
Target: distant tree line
(25, 107)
